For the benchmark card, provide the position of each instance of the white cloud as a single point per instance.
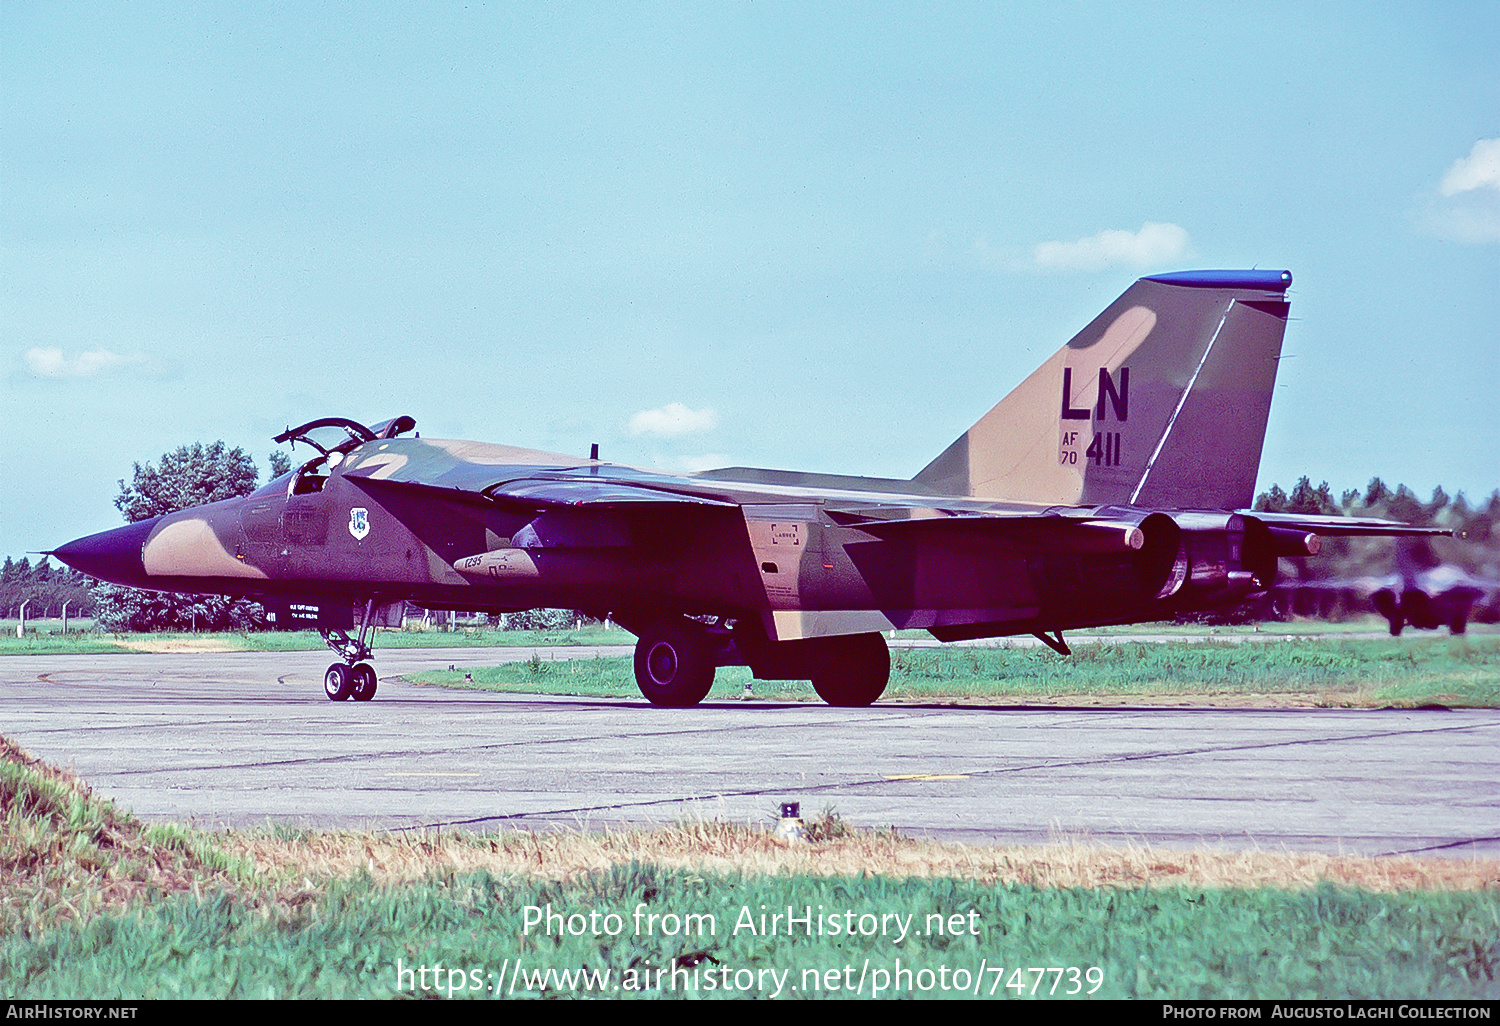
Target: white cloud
(1155, 244)
(672, 421)
(51, 363)
(1479, 170)
(1466, 207)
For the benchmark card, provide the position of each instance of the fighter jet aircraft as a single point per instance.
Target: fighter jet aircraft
(1440, 596)
(1443, 596)
(1109, 487)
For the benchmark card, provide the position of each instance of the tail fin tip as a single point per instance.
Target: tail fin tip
(1269, 281)
(1162, 399)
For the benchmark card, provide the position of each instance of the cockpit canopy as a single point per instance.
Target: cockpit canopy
(340, 434)
(333, 437)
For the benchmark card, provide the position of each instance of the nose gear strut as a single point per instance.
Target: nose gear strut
(354, 677)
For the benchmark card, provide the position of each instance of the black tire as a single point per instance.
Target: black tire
(852, 671)
(673, 667)
(362, 682)
(338, 682)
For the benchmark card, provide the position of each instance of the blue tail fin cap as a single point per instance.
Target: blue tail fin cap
(1270, 281)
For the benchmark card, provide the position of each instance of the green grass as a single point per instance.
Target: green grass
(1179, 943)
(602, 677)
(1295, 627)
(46, 638)
(73, 643)
(95, 905)
(1385, 671)
(64, 852)
(1397, 671)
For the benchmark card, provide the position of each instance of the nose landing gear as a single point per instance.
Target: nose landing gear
(338, 682)
(354, 677)
(344, 681)
(363, 682)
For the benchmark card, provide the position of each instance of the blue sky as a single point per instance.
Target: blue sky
(822, 237)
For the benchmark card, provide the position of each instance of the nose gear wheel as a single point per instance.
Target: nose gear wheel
(354, 677)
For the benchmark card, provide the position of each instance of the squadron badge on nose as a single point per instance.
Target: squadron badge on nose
(359, 522)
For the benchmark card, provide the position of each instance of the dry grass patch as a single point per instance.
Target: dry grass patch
(150, 644)
(728, 848)
(65, 853)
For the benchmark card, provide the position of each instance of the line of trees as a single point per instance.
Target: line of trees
(47, 586)
(1475, 547)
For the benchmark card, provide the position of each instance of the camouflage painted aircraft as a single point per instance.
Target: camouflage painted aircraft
(1441, 596)
(1109, 487)
(1444, 596)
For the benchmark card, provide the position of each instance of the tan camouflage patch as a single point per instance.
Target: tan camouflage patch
(189, 548)
(795, 624)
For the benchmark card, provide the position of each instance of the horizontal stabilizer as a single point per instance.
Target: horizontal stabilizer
(1346, 527)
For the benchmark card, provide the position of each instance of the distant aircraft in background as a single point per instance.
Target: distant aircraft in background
(1110, 487)
(1444, 596)
(1412, 596)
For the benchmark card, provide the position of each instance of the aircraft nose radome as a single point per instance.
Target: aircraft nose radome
(113, 556)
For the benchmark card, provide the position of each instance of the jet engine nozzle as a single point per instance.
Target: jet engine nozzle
(1213, 557)
(1265, 544)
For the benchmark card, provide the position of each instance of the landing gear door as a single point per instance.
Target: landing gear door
(788, 545)
(290, 614)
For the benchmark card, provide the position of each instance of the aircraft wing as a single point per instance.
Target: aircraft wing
(538, 495)
(554, 492)
(513, 477)
(527, 480)
(530, 480)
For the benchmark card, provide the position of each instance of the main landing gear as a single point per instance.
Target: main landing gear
(344, 681)
(851, 670)
(354, 677)
(676, 656)
(674, 662)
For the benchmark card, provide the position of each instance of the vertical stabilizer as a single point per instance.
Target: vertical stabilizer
(1161, 401)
